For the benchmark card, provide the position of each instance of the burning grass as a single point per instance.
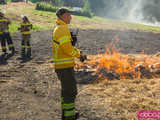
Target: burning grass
(137, 87)
(115, 65)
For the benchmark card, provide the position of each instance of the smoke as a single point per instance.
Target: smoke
(139, 11)
(145, 12)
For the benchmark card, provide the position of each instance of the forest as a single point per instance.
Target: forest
(117, 9)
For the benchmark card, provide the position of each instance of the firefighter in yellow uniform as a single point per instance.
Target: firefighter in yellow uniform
(5, 35)
(63, 59)
(25, 29)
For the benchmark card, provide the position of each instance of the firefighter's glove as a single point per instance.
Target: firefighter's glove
(19, 28)
(74, 39)
(31, 26)
(83, 57)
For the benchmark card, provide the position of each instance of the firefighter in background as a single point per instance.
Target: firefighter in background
(5, 35)
(25, 29)
(3, 2)
(63, 58)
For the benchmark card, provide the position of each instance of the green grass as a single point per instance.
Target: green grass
(14, 28)
(144, 27)
(47, 21)
(37, 28)
(44, 20)
(118, 24)
(8, 1)
(46, 7)
(49, 7)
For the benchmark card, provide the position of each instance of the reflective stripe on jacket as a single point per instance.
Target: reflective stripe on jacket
(63, 51)
(6, 25)
(25, 28)
(2, 24)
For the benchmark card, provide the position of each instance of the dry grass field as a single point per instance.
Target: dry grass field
(30, 90)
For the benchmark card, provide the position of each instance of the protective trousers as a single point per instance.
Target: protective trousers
(25, 46)
(68, 92)
(6, 38)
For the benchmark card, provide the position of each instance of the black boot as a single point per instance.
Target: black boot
(13, 51)
(63, 118)
(23, 56)
(29, 53)
(23, 53)
(76, 115)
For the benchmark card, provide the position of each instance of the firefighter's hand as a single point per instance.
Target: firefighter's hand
(83, 57)
(19, 28)
(74, 39)
(31, 26)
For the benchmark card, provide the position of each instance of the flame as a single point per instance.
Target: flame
(126, 66)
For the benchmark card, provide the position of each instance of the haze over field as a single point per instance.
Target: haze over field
(139, 11)
(30, 90)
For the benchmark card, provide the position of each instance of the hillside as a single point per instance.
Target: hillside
(46, 20)
(30, 89)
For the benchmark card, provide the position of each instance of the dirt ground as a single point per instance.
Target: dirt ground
(31, 91)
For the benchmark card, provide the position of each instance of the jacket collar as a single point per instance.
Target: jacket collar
(60, 22)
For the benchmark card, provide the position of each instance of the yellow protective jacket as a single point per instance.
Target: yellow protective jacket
(63, 51)
(25, 28)
(7, 23)
(2, 25)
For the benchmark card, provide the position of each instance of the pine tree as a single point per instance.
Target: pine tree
(87, 7)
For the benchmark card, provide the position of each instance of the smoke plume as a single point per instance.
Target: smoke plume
(141, 11)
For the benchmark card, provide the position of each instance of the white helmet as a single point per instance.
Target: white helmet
(2, 12)
(23, 15)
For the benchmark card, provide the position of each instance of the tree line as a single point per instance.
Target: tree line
(114, 8)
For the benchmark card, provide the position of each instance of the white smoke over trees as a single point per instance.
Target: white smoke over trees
(132, 10)
(145, 11)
